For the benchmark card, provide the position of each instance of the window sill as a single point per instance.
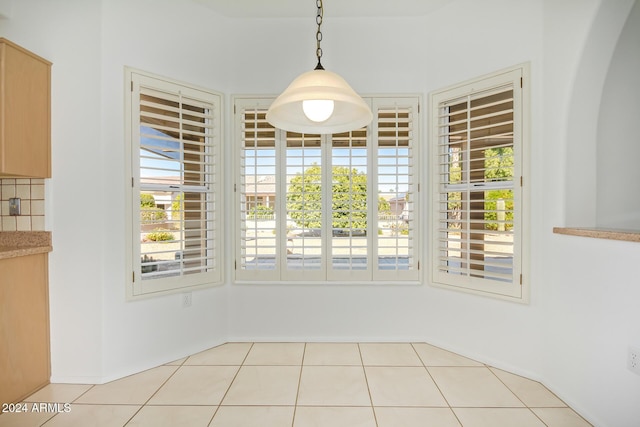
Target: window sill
(326, 283)
(600, 233)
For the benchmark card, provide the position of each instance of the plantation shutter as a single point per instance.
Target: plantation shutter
(349, 199)
(310, 207)
(478, 197)
(257, 195)
(304, 176)
(396, 189)
(175, 157)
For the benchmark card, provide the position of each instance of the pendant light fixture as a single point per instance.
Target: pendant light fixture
(319, 101)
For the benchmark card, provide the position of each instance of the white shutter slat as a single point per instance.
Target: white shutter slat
(303, 199)
(325, 225)
(258, 245)
(349, 219)
(476, 200)
(475, 236)
(396, 225)
(168, 126)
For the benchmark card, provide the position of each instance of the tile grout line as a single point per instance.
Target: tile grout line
(157, 390)
(295, 404)
(424, 365)
(516, 395)
(74, 400)
(366, 380)
(230, 384)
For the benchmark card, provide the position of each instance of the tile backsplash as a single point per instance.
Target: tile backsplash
(31, 195)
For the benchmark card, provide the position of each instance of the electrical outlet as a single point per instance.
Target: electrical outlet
(14, 206)
(633, 360)
(186, 299)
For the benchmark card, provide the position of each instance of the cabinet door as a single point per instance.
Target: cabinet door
(24, 326)
(25, 141)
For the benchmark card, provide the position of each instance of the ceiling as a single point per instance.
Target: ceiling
(333, 8)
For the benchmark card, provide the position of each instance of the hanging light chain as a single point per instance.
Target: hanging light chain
(319, 33)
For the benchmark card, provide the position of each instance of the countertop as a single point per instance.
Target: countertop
(20, 243)
(600, 233)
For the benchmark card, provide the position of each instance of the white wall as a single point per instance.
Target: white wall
(618, 174)
(418, 54)
(573, 335)
(180, 40)
(596, 51)
(70, 38)
(589, 286)
(95, 334)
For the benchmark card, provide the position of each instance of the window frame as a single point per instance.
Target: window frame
(210, 190)
(331, 276)
(518, 288)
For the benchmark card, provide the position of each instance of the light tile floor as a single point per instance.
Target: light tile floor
(306, 385)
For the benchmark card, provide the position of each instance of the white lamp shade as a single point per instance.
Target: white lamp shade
(350, 112)
(317, 110)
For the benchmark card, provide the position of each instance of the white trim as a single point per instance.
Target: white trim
(514, 290)
(137, 288)
(350, 276)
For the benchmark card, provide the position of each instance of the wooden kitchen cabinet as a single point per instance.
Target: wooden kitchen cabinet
(24, 326)
(25, 113)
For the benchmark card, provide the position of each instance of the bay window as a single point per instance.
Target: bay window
(328, 208)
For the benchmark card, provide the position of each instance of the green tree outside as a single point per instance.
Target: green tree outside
(147, 200)
(384, 207)
(149, 213)
(177, 208)
(498, 166)
(260, 211)
(349, 198)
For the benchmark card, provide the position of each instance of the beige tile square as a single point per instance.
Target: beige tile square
(347, 354)
(23, 191)
(264, 386)
(492, 417)
(178, 362)
(314, 416)
(226, 354)
(435, 356)
(24, 419)
(8, 190)
(9, 223)
(23, 181)
(532, 393)
(23, 223)
(473, 387)
(25, 207)
(37, 207)
(94, 415)
(415, 417)
(195, 385)
(333, 386)
(37, 191)
(4, 207)
(389, 354)
(172, 416)
(134, 389)
(275, 354)
(402, 386)
(61, 393)
(253, 416)
(37, 223)
(560, 417)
